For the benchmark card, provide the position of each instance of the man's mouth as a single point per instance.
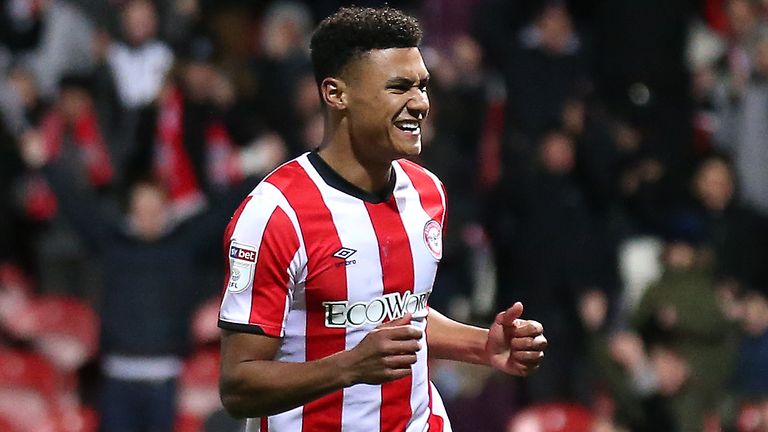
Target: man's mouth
(410, 126)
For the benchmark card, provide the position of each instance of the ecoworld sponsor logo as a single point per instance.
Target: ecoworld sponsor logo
(340, 314)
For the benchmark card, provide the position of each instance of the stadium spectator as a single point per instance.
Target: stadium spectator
(191, 137)
(731, 231)
(152, 271)
(742, 133)
(71, 132)
(547, 65)
(748, 386)
(51, 38)
(139, 62)
(543, 235)
(681, 314)
(279, 66)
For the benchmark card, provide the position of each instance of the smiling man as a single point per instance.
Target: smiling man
(325, 316)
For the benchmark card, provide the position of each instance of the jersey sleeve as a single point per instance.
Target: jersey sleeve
(262, 247)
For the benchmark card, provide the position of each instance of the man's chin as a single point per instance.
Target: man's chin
(411, 150)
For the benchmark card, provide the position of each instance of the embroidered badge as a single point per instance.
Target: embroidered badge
(433, 238)
(242, 263)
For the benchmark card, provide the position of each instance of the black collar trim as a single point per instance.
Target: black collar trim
(334, 180)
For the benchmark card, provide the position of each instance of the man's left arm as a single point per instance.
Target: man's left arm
(512, 345)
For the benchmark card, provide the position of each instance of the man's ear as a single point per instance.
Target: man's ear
(333, 93)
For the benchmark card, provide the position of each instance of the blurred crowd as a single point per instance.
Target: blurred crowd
(606, 164)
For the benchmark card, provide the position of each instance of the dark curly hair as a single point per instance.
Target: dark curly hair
(352, 31)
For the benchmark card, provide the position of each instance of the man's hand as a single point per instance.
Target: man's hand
(514, 345)
(385, 354)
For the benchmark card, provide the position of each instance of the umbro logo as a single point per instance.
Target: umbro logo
(343, 254)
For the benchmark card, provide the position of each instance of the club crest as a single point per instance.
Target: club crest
(433, 238)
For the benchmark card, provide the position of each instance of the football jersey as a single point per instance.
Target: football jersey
(319, 263)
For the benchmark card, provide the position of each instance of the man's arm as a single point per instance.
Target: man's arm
(254, 385)
(512, 345)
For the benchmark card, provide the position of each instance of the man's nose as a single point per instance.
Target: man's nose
(418, 105)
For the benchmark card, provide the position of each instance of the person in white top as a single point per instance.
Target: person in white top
(332, 257)
(140, 63)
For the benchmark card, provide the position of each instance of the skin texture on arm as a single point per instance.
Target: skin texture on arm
(253, 384)
(512, 345)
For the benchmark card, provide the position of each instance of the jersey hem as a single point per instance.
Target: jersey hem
(244, 328)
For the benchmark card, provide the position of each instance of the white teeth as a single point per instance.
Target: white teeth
(408, 126)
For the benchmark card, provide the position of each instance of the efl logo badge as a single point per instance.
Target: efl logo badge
(433, 238)
(242, 263)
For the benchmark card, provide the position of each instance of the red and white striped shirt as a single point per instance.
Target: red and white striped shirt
(320, 263)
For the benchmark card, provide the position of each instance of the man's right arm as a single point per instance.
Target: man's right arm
(253, 384)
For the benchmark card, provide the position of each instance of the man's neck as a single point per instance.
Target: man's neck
(368, 176)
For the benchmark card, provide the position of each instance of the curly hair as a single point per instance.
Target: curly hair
(353, 31)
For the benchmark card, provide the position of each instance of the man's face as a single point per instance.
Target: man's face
(148, 212)
(139, 21)
(387, 102)
(714, 184)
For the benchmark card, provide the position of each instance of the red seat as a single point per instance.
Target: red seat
(15, 294)
(753, 417)
(78, 419)
(66, 330)
(552, 417)
(199, 387)
(29, 391)
(205, 329)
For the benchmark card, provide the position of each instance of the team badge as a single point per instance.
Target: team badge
(433, 238)
(242, 263)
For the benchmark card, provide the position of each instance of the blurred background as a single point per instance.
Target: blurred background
(606, 163)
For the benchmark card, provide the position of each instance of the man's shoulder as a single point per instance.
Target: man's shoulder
(420, 177)
(286, 174)
(278, 183)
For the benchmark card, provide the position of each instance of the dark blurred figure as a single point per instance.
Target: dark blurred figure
(71, 131)
(546, 65)
(640, 69)
(669, 372)
(196, 137)
(279, 66)
(749, 383)
(542, 232)
(153, 279)
(458, 87)
(51, 38)
(11, 215)
(733, 233)
(130, 72)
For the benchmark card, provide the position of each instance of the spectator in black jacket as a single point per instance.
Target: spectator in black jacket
(151, 269)
(543, 236)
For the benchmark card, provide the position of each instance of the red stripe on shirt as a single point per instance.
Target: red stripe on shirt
(397, 274)
(270, 282)
(429, 194)
(325, 282)
(264, 424)
(228, 237)
(435, 422)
